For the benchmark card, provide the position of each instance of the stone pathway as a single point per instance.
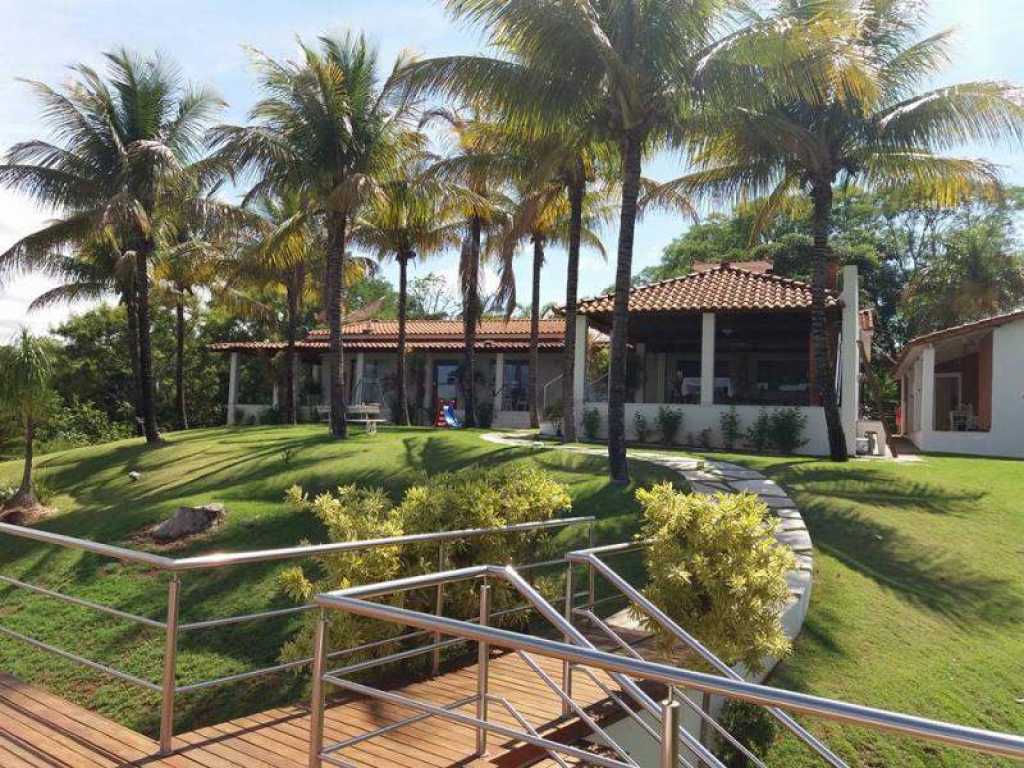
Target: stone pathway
(724, 477)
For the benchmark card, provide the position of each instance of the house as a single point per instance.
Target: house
(726, 335)
(963, 388)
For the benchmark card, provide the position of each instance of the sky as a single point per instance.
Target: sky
(208, 40)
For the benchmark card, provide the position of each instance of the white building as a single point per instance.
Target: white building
(963, 388)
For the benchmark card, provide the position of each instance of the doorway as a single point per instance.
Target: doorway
(948, 397)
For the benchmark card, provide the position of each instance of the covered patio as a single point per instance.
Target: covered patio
(729, 335)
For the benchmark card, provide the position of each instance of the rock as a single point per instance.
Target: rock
(136, 476)
(188, 521)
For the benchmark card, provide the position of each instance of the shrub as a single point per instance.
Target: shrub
(472, 498)
(787, 429)
(716, 569)
(641, 427)
(752, 726)
(591, 423)
(78, 424)
(670, 421)
(485, 414)
(731, 428)
(760, 432)
(706, 437)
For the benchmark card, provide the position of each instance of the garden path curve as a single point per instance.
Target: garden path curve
(708, 476)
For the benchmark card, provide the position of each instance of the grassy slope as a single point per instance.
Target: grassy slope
(248, 470)
(918, 601)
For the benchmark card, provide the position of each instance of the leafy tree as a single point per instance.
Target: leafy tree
(123, 142)
(431, 298)
(852, 114)
(329, 129)
(26, 371)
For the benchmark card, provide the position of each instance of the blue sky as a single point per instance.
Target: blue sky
(39, 38)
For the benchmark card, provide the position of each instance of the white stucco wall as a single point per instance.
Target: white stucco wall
(1006, 438)
(697, 418)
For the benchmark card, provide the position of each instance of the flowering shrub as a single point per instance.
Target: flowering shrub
(670, 421)
(716, 569)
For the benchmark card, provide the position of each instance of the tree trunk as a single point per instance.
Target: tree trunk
(631, 161)
(403, 298)
(824, 373)
(180, 415)
(335, 298)
(535, 396)
(26, 497)
(131, 310)
(296, 278)
(576, 190)
(470, 318)
(149, 426)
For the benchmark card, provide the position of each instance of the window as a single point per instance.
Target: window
(516, 386)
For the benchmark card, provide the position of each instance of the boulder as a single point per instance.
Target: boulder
(188, 521)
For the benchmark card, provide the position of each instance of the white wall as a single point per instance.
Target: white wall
(697, 418)
(1006, 438)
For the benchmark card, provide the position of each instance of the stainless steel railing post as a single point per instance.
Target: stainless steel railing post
(591, 575)
(439, 609)
(483, 670)
(169, 682)
(670, 732)
(316, 704)
(566, 665)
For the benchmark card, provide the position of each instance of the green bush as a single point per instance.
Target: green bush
(752, 726)
(484, 414)
(591, 423)
(786, 428)
(716, 569)
(78, 424)
(706, 438)
(641, 427)
(731, 428)
(670, 421)
(472, 498)
(760, 432)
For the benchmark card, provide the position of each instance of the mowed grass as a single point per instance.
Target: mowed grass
(917, 603)
(248, 470)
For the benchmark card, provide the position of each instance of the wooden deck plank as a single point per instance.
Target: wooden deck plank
(39, 730)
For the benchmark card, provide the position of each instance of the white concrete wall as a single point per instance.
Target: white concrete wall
(697, 418)
(1006, 438)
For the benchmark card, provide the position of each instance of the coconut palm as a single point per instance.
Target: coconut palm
(543, 216)
(855, 115)
(328, 128)
(26, 369)
(414, 217)
(122, 141)
(621, 69)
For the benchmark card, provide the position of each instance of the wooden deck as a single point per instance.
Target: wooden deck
(38, 730)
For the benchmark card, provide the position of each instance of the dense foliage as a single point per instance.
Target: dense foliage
(716, 569)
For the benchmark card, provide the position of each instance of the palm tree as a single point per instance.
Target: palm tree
(413, 218)
(124, 140)
(619, 70)
(329, 129)
(544, 215)
(853, 115)
(26, 368)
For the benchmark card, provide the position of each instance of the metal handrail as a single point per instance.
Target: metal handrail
(976, 739)
(172, 627)
(589, 557)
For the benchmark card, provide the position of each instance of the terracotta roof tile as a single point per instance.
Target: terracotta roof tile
(721, 289)
(444, 328)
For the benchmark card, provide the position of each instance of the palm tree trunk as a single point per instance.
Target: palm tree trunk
(181, 417)
(533, 378)
(631, 161)
(131, 310)
(26, 497)
(470, 318)
(576, 190)
(824, 371)
(149, 426)
(335, 298)
(403, 298)
(296, 278)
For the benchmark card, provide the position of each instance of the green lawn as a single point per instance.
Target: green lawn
(248, 470)
(918, 598)
(918, 601)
